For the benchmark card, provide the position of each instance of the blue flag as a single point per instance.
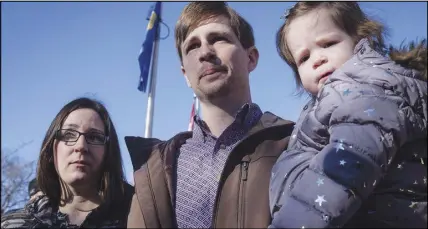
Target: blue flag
(145, 57)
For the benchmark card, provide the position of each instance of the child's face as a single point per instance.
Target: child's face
(318, 46)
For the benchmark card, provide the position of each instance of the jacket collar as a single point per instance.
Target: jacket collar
(140, 148)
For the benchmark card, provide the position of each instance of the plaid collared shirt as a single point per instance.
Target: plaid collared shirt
(200, 163)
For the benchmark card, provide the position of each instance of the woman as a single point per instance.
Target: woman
(79, 173)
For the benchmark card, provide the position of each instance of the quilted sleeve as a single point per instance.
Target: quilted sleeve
(324, 188)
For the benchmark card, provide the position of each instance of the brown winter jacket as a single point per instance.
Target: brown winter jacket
(243, 195)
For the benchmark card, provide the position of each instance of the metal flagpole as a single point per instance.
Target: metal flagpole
(192, 113)
(197, 106)
(152, 88)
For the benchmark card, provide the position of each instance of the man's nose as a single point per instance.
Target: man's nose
(207, 53)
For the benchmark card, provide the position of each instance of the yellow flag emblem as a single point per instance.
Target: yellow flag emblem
(152, 20)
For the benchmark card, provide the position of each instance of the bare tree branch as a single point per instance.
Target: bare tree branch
(16, 175)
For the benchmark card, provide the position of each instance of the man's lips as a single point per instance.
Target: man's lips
(212, 70)
(209, 71)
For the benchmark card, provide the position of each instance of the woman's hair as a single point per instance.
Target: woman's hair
(110, 186)
(351, 19)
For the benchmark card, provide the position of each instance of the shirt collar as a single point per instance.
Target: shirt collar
(248, 115)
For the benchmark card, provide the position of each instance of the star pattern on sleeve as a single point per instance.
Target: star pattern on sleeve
(320, 200)
(320, 181)
(339, 146)
(369, 111)
(413, 204)
(326, 218)
(346, 92)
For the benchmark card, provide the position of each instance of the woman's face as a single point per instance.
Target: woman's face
(78, 159)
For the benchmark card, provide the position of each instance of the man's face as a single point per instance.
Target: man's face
(214, 61)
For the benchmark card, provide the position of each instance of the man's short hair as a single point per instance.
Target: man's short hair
(196, 12)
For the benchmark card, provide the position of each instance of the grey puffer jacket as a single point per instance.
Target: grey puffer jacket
(357, 155)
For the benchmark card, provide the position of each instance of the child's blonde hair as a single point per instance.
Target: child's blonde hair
(351, 19)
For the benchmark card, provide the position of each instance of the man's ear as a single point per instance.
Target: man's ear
(185, 77)
(253, 57)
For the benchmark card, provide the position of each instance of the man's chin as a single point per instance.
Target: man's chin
(214, 91)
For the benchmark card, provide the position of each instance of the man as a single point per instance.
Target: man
(218, 175)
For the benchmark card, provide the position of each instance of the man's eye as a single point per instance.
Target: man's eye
(191, 47)
(218, 38)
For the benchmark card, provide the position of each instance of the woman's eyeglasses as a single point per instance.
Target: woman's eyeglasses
(92, 138)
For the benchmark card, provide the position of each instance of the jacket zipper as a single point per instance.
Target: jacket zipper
(241, 208)
(245, 170)
(221, 182)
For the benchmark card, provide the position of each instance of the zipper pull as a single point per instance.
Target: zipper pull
(245, 170)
